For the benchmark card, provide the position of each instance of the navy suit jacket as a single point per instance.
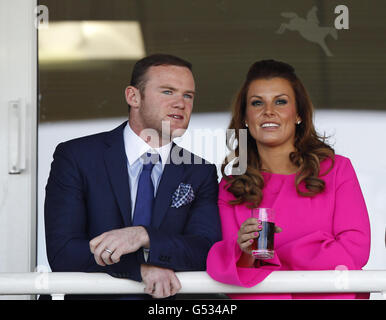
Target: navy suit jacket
(87, 194)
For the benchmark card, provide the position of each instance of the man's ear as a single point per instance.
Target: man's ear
(133, 97)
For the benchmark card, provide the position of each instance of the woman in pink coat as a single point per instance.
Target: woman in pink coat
(320, 211)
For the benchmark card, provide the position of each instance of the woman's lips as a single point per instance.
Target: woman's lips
(269, 126)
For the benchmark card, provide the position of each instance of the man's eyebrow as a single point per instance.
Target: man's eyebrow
(167, 87)
(175, 89)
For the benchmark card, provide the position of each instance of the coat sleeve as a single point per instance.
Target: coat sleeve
(65, 214)
(224, 255)
(348, 245)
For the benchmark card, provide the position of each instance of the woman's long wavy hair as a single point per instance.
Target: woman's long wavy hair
(310, 148)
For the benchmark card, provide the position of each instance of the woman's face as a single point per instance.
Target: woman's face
(271, 113)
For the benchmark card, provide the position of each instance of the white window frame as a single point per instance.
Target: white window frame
(18, 136)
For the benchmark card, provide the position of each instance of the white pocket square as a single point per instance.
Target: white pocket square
(183, 195)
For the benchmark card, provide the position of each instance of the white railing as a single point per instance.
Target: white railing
(58, 284)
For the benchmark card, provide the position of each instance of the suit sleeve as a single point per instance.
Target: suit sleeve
(188, 251)
(348, 245)
(224, 255)
(66, 225)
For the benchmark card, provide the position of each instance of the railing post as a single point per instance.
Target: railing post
(57, 296)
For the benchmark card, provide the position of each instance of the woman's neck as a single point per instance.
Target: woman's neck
(276, 160)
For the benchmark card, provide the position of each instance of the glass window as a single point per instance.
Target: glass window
(87, 54)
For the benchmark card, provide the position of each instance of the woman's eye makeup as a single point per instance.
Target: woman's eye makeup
(281, 101)
(256, 103)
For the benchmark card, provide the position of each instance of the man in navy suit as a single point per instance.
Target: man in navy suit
(108, 210)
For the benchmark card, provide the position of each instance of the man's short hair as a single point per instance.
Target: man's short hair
(138, 77)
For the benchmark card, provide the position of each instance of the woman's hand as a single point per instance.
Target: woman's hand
(249, 231)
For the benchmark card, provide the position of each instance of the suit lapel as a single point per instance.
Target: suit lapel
(171, 178)
(116, 165)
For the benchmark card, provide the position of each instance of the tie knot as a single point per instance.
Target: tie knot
(149, 160)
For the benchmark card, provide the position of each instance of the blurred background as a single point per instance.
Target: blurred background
(87, 54)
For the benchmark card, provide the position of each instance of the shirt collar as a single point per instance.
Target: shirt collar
(135, 147)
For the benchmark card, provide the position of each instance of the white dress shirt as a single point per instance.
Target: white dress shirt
(135, 147)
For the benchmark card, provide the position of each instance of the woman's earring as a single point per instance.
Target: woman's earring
(299, 122)
(246, 124)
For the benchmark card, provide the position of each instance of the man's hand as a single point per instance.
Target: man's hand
(110, 246)
(160, 282)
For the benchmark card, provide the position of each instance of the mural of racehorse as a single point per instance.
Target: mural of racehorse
(309, 28)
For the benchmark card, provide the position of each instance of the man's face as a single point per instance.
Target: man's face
(167, 97)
